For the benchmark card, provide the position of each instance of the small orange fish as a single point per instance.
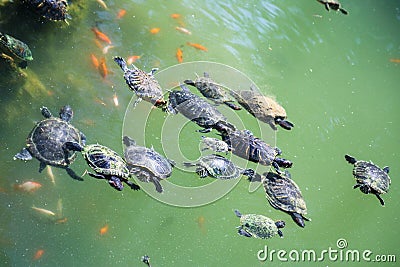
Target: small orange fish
(179, 55)
(106, 48)
(121, 13)
(61, 220)
(154, 30)
(395, 60)
(101, 36)
(104, 229)
(103, 70)
(28, 186)
(38, 254)
(197, 46)
(95, 61)
(132, 59)
(183, 30)
(175, 16)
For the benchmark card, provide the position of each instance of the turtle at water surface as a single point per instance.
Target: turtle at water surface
(106, 163)
(214, 144)
(146, 164)
(258, 226)
(144, 84)
(370, 178)
(15, 50)
(333, 4)
(55, 10)
(47, 141)
(211, 90)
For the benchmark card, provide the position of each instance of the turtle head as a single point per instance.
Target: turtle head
(284, 163)
(128, 141)
(116, 183)
(287, 125)
(66, 113)
(280, 224)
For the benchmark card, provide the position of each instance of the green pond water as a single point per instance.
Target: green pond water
(333, 74)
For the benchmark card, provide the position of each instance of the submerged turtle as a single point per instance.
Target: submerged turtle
(259, 226)
(214, 144)
(15, 50)
(197, 110)
(218, 167)
(55, 10)
(211, 90)
(47, 141)
(333, 4)
(263, 108)
(146, 164)
(143, 84)
(370, 178)
(284, 194)
(106, 163)
(245, 145)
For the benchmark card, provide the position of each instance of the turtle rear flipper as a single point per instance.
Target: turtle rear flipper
(386, 169)
(132, 185)
(343, 11)
(243, 232)
(23, 155)
(287, 125)
(299, 219)
(380, 199)
(121, 63)
(232, 105)
(157, 184)
(73, 174)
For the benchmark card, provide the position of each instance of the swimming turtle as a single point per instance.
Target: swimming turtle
(284, 194)
(264, 108)
(143, 84)
(245, 145)
(146, 164)
(55, 10)
(218, 167)
(106, 163)
(47, 141)
(214, 144)
(259, 226)
(333, 4)
(211, 90)
(197, 110)
(370, 178)
(15, 50)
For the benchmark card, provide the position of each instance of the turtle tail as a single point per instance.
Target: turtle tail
(121, 63)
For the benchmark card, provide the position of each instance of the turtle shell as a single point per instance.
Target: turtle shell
(105, 161)
(16, 47)
(371, 175)
(50, 9)
(258, 226)
(219, 167)
(284, 194)
(208, 88)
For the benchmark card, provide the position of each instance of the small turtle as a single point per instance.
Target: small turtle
(47, 141)
(245, 145)
(106, 163)
(218, 167)
(333, 4)
(197, 110)
(55, 10)
(259, 226)
(143, 84)
(284, 194)
(263, 108)
(146, 260)
(15, 49)
(214, 144)
(146, 164)
(211, 90)
(370, 178)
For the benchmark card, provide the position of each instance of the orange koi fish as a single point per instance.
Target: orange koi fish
(154, 30)
(197, 46)
(61, 220)
(104, 229)
(101, 36)
(132, 59)
(175, 16)
(183, 30)
(103, 70)
(28, 186)
(395, 60)
(95, 61)
(121, 13)
(179, 55)
(38, 254)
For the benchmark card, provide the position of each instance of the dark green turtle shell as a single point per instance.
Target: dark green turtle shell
(258, 226)
(55, 10)
(219, 167)
(17, 48)
(104, 160)
(371, 175)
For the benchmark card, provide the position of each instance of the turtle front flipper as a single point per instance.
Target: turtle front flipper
(350, 159)
(23, 155)
(157, 184)
(42, 166)
(343, 11)
(287, 125)
(73, 175)
(121, 63)
(243, 232)
(299, 219)
(232, 105)
(327, 7)
(189, 82)
(380, 199)
(132, 185)
(250, 173)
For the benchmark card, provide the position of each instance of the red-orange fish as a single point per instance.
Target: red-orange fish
(132, 59)
(101, 36)
(197, 46)
(183, 30)
(28, 186)
(121, 13)
(61, 220)
(395, 60)
(154, 30)
(175, 16)
(38, 254)
(179, 55)
(104, 229)
(103, 70)
(95, 60)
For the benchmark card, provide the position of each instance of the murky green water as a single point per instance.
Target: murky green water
(332, 73)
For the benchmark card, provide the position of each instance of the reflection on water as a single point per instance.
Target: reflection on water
(337, 77)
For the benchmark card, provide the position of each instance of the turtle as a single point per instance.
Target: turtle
(370, 178)
(15, 50)
(144, 84)
(54, 10)
(245, 145)
(284, 194)
(146, 164)
(214, 144)
(197, 110)
(218, 167)
(211, 90)
(106, 163)
(146, 260)
(47, 141)
(333, 4)
(259, 226)
(264, 108)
